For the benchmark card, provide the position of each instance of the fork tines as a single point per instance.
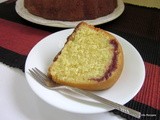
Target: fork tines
(42, 78)
(37, 75)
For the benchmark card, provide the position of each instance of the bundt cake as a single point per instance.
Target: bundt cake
(70, 10)
(91, 59)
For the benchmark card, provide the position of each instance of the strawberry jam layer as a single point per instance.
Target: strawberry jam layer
(113, 65)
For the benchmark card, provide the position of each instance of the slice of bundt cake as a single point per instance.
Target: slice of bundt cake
(91, 59)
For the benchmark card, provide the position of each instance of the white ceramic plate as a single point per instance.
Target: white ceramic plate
(23, 12)
(125, 89)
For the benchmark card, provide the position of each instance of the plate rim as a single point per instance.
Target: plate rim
(23, 12)
(100, 111)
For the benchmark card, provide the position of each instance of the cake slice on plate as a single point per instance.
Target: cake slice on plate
(91, 59)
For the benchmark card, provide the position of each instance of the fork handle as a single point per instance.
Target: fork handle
(106, 102)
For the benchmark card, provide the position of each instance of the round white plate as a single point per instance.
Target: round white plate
(23, 12)
(125, 89)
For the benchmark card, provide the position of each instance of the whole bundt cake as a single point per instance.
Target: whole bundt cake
(70, 10)
(91, 59)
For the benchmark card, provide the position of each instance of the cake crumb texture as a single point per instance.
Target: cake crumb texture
(85, 57)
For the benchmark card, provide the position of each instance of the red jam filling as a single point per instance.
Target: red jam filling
(113, 65)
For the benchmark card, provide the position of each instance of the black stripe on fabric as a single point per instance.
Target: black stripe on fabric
(148, 113)
(136, 20)
(12, 59)
(10, 13)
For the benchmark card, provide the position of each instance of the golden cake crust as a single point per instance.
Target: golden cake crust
(70, 10)
(111, 74)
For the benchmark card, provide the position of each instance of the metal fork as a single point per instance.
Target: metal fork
(43, 79)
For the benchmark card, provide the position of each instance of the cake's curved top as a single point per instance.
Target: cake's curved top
(91, 59)
(70, 10)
